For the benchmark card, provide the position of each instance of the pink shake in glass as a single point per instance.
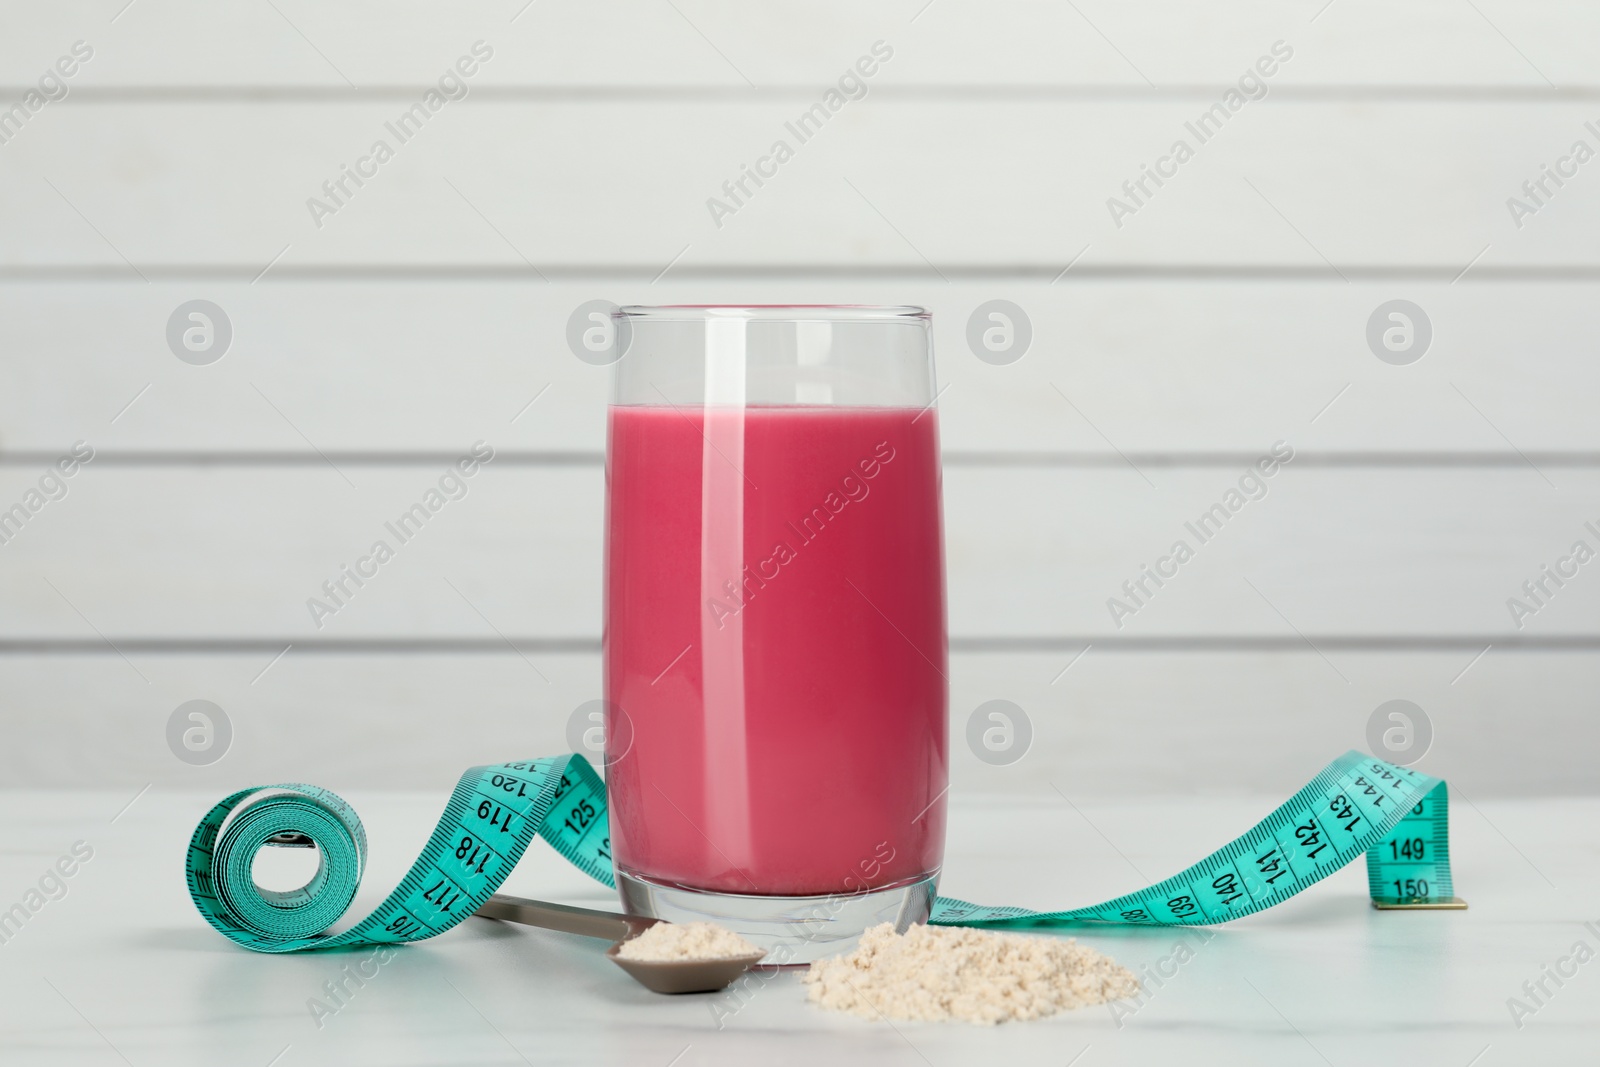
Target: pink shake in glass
(775, 650)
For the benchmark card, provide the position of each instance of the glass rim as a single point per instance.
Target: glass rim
(880, 313)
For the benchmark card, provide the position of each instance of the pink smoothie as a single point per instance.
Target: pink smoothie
(775, 635)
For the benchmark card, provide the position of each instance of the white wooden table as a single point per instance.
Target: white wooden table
(122, 970)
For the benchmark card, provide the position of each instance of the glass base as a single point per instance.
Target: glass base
(793, 930)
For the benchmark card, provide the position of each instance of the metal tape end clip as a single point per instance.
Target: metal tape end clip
(1441, 904)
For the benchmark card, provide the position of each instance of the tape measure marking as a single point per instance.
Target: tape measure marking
(1357, 804)
(492, 816)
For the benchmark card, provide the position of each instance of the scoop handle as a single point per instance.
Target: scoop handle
(588, 922)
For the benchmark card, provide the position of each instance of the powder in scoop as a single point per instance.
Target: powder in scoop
(937, 973)
(686, 941)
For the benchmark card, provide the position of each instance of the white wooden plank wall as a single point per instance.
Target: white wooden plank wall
(1226, 313)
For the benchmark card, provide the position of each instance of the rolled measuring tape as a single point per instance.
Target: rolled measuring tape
(1356, 805)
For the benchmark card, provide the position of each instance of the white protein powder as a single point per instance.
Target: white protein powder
(938, 973)
(686, 941)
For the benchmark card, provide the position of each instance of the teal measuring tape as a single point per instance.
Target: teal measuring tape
(1397, 817)
(492, 817)
(1357, 804)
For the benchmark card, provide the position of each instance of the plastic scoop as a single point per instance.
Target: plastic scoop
(660, 976)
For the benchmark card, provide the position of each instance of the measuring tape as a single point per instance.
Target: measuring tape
(1357, 804)
(493, 815)
(1398, 817)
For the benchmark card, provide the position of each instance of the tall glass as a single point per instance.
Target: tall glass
(775, 647)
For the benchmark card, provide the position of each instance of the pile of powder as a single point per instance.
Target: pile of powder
(686, 941)
(936, 973)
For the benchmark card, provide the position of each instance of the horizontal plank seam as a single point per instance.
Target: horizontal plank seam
(1365, 460)
(1330, 92)
(1000, 644)
(1445, 272)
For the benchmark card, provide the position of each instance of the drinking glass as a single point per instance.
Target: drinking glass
(775, 645)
